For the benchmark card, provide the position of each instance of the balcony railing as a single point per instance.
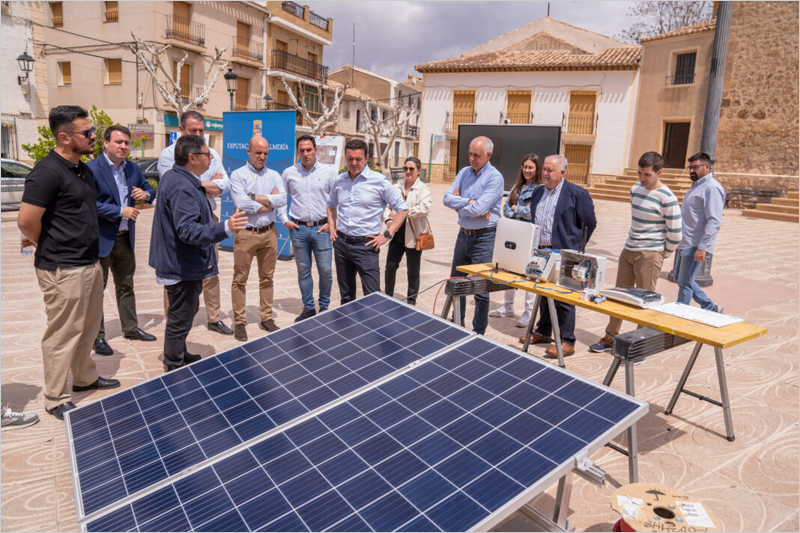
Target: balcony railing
(247, 49)
(58, 21)
(293, 7)
(245, 102)
(197, 91)
(318, 21)
(454, 119)
(185, 30)
(580, 124)
(413, 131)
(450, 166)
(283, 60)
(112, 15)
(681, 78)
(516, 118)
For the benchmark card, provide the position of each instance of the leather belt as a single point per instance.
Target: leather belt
(352, 240)
(262, 229)
(310, 224)
(473, 232)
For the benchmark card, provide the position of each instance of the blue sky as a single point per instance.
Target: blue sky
(392, 37)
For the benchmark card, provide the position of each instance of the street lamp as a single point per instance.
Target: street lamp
(267, 102)
(230, 81)
(26, 65)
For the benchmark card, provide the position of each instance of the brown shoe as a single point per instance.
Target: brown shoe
(269, 325)
(566, 351)
(240, 332)
(536, 338)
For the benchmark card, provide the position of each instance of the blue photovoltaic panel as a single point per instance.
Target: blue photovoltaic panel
(440, 447)
(128, 441)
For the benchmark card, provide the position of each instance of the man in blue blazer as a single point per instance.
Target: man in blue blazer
(561, 209)
(119, 184)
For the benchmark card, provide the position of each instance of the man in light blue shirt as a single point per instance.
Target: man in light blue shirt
(476, 195)
(702, 217)
(258, 191)
(215, 181)
(355, 214)
(309, 183)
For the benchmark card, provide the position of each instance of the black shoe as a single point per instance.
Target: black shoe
(101, 347)
(139, 335)
(59, 411)
(307, 313)
(220, 327)
(241, 332)
(100, 384)
(323, 309)
(190, 358)
(269, 325)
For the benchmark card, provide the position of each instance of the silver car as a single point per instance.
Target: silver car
(13, 183)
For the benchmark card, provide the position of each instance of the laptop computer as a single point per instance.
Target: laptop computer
(513, 244)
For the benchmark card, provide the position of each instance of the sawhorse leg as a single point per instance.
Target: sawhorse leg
(723, 389)
(455, 303)
(531, 323)
(553, 320)
(633, 442)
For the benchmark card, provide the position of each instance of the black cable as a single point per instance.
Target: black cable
(425, 290)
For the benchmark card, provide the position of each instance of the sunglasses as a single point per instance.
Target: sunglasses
(409, 169)
(86, 133)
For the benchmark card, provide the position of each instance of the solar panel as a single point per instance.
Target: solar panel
(451, 444)
(131, 440)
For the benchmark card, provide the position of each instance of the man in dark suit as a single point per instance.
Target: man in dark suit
(561, 209)
(120, 184)
(182, 243)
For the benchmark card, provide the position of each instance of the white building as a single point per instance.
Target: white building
(545, 73)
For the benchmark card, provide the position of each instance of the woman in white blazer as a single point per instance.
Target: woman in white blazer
(418, 197)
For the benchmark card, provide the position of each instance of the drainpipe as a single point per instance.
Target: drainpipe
(267, 18)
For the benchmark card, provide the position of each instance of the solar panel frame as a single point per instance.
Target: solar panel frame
(371, 398)
(341, 316)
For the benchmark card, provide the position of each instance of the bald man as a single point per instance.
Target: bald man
(259, 192)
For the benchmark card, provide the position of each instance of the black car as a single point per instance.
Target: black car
(149, 168)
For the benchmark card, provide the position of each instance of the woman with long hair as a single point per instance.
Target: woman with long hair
(418, 198)
(517, 206)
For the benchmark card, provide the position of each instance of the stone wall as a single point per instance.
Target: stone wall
(758, 127)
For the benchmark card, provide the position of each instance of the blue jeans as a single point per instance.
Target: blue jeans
(306, 240)
(686, 270)
(471, 250)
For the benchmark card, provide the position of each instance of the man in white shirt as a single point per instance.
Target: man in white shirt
(309, 184)
(258, 191)
(215, 181)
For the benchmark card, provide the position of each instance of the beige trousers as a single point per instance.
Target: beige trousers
(264, 247)
(73, 301)
(636, 269)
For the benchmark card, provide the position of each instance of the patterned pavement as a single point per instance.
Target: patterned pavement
(751, 483)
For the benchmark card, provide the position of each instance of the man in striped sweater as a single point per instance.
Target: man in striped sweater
(655, 233)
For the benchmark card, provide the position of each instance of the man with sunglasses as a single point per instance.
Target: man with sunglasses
(58, 214)
(702, 217)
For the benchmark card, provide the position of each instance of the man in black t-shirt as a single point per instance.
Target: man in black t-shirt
(58, 215)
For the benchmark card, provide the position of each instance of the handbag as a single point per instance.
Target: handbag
(425, 241)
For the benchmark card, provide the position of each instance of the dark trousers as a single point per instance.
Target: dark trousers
(397, 248)
(352, 258)
(472, 250)
(122, 262)
(184, 302)
(566, 320)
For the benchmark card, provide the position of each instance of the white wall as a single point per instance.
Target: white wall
(550, 102)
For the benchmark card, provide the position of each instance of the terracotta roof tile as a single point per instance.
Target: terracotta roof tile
(532, 60)
(700, 27)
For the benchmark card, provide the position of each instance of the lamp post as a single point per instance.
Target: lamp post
(267, 102)
(230, 81)
(26, 65)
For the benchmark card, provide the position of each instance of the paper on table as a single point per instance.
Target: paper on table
(695, 514)
(696, 314)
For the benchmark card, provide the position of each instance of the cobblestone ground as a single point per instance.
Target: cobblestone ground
(751, 483)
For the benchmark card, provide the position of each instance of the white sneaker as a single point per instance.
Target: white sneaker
(12, 420)
(501, 311)
(524, 319)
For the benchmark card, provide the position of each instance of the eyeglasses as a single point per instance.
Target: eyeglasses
(409, 169)
(86, 133)
(695, 167)
(201, 153)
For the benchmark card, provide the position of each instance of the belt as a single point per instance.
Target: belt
(473, 232)
(262, 229)
(124, 232)
(352, 240)
(310, 224)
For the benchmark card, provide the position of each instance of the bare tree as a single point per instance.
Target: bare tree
(329, 116)
(153, 59)
(390, 127)
(654, 18)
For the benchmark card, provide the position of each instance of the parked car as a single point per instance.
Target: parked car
(13, 183)
(149, 168)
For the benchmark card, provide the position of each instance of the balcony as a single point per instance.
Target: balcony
(197, 92)
(316, 20)
(454, 119)
(413, 131)
(112, 15)
(293, 64)
(681, 78)
(450, 166)
(275, 106)
(181, 29)
(247, 49)
(58, 21)
(580, 124)
(245, 102)
(293, 7)
(516, 118)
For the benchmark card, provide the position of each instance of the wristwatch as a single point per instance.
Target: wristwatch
(252, 196)
(387, 234)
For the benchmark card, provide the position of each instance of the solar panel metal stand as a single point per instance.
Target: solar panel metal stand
(459, 287)
(553, 320)
(559, 520)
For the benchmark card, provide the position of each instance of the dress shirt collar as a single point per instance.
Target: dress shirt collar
(252, 169)
(554, 191)
(704, 179)
(111, 163)
(301, 168)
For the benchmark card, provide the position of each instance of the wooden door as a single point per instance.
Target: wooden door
(242, 93)
(452, 159)
(676, 141)
(463, 108)
(578, 159)
(242, 37)
(581, 113)
(186, 78)
(519, 107)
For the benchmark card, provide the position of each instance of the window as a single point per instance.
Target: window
(58, 14)
(312, 57)
(113, 71)
(345, 111)
(7, 136)
(242, 94)
(186, 78)
(64, 73)
(312, 100)
(242, 37)
(111, 12)
(281, 45)
(684, 69)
